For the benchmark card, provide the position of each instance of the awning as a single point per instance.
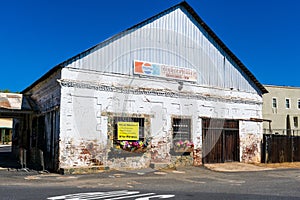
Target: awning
(14, 105)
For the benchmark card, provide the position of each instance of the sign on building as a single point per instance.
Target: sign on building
(128, 131)
(164, 71)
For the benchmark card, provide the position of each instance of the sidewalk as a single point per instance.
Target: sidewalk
(8, 161)
(244, 167)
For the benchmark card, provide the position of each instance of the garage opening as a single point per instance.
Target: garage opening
(220, 140)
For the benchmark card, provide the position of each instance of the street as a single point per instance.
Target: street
(184, 183)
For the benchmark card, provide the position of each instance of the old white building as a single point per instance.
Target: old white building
(166, 91)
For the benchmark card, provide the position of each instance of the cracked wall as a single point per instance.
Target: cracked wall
(250, 141)
(88, 107)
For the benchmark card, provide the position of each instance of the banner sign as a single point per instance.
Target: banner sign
(128, 131)
(164, 71)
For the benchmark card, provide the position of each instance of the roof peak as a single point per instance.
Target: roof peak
(197, 18)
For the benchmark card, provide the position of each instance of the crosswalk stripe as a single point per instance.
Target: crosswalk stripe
(90, 195)
(139, 195)
(112, 195)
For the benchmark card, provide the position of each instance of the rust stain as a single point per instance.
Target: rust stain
(4, 103)
(249, 152)
(197, 157)
(85, 151)
(96, 161)
(10, 100)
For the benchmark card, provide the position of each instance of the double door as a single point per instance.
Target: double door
(220, 140)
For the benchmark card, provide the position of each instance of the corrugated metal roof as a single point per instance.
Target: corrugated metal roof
(224, 47)
(13, 103)
(10, 101)
(184, 5)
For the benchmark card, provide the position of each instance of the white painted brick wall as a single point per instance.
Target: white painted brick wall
(81, 109)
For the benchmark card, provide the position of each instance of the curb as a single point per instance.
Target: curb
(235, 167)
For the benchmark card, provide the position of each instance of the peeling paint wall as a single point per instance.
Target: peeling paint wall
(250, 141)
(79, 152)
(89, 103)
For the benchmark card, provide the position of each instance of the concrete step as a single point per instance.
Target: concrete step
(158, 166)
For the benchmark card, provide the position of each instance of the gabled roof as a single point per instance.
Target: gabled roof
(184, 5)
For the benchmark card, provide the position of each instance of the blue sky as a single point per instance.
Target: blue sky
(36, 35)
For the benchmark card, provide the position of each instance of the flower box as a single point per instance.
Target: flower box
(183, 146)
(134, 147)
(183, 149)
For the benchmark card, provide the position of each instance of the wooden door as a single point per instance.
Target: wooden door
(212, 146)
(220, 140)
(231, 146)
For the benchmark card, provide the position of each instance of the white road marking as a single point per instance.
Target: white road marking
(92, 195)
(112, 195)
(126, 197)
(166, 196)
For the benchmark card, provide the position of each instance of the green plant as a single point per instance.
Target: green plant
(7, 139)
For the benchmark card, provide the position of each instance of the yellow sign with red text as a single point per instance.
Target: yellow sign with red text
(128, 131)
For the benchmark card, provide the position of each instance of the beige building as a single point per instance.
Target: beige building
(282, 106)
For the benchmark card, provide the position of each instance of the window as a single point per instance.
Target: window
(298, 103)
(274, 103)
(296, 122)
(287, 103)
(182, 134)
(129, 142)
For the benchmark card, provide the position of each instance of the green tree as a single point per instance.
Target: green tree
(5, 91)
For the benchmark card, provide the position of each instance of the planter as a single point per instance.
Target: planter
(183, 149)
(119, 153)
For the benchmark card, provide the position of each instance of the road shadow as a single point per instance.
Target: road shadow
(7, 159)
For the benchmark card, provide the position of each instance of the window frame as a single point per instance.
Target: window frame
(296, 121)
(117, 119)
(287, 103)
(274, 98)
(185, 123)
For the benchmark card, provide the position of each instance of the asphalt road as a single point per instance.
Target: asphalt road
(183, 183)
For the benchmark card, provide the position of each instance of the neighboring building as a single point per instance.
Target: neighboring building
(282, 106)
(5, 130)
(8, 101)
(14, 108)
(166, 90)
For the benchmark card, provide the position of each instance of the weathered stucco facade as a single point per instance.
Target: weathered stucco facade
(83, 100)
(88, 105)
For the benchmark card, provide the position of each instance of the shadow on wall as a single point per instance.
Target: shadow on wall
(7, 159)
